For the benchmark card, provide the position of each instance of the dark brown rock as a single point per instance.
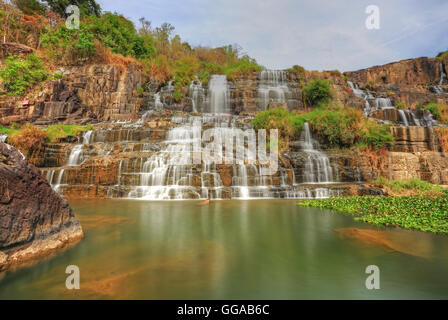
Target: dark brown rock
(34, 220)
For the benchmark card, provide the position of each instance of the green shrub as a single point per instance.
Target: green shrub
(400, 105)
(442, 55)
(439, 111)
(297, 69)
(18, 74)
(316, 92)
(177, 95)
(336, 127)
(120, 35)
(375, 134)
(70, 46)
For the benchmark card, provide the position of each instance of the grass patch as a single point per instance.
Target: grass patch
(60, 131)
(8, 131)
(427, 214)
(410, 187)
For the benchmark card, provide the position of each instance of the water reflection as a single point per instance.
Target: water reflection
(233, 249)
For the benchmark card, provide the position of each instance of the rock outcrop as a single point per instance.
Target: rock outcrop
(34, 219)
(410, 82)
(85, 94)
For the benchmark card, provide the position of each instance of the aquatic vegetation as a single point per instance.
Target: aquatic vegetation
(427, 214)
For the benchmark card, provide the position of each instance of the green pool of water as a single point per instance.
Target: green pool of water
(261, 249)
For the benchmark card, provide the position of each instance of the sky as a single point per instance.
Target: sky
(316, 34)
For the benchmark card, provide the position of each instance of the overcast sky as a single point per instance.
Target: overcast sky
(317, 34)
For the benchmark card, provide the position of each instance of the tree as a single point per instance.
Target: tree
(30, 7)
(163, 35)
(86, 7)
(10, 18)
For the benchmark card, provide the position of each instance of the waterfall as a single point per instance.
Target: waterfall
(86, 137)
(438, 88)
(168, 174)
(218, 90)
(442, 75)
(197, 95)
(384, 103)
(50, 176)
(161, 167)
(317, 166)
(157, 102)
(273, 87)
(403, 118)
(3, 137)
(59, 181)
(77, 156)
(363, 95)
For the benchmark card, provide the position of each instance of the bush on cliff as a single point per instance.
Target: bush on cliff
(439, 111)
(316, 92)
(119, 34)
(31, 142)
(70, 46)
(18, 73)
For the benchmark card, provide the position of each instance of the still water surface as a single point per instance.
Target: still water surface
(263, 249)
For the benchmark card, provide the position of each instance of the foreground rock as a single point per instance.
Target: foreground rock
(34, 220)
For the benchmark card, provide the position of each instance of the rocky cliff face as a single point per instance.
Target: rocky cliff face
(409, 81)
(34, 220)
(85, 94)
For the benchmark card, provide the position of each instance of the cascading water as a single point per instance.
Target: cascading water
(317, 166)
(438, 89)
(218, 94)
(153, 169)
(442, 75)
(59, 181)
(168, 174)
(76, 156)
(3, 137)
(157, 102)
(367, 96)
(197, 95)
(405, 117)
(273, 87)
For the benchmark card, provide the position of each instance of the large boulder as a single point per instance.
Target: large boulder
(34, 220)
